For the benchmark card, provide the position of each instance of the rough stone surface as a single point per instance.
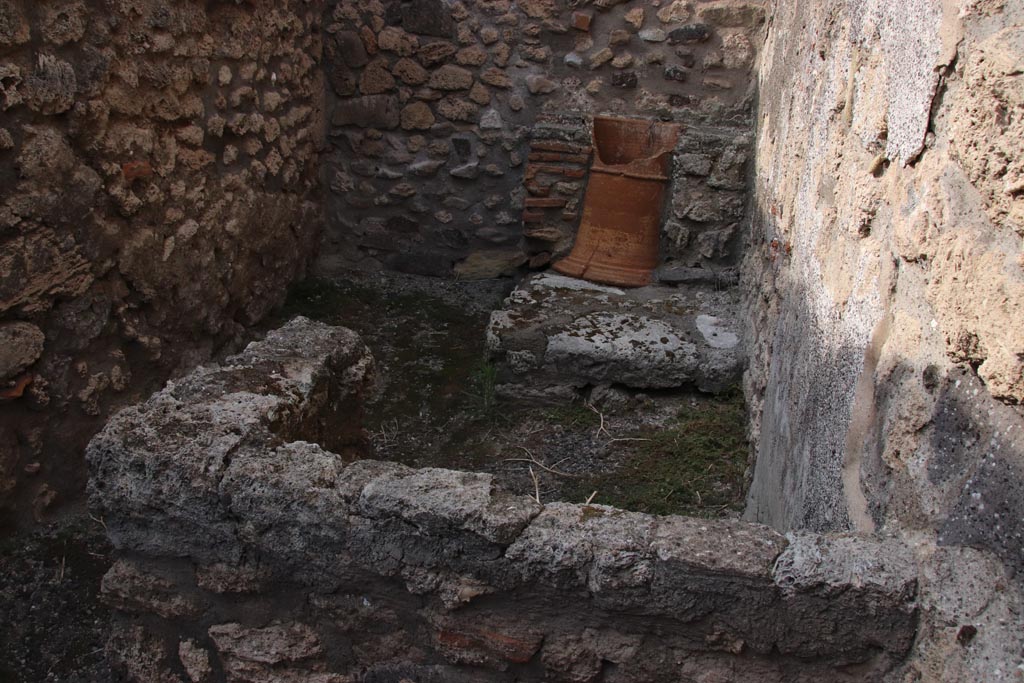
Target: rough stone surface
(435, 500)
(304, 378)
(884, 289)
(131, 588)
(158, 170)
(558, 330)
(474, 87)
(21, 345)
(437, 575)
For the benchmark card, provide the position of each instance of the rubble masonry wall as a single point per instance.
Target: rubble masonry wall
(159, 175)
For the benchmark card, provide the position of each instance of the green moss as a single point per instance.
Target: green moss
(484, 378)
(694, 466)
(572, 415)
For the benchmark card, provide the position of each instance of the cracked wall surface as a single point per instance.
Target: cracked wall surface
(885, 282)
(158, 191)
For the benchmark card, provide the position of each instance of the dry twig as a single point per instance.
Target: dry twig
(601, 429)
(533, 461)
(63, 566)
(536, 486)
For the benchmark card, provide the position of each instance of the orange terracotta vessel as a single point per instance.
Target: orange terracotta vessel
(619, 235)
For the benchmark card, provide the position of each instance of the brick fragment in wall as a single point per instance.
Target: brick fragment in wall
(581, 21)
(537, 189)
(581, 159)
(569, 172)
(546, 202)
(559, 146)
(435, 53)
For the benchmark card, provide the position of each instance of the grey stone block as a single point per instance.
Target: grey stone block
(579, 333)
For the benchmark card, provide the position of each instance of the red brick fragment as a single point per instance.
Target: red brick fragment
(545, 202)
(369, 40)
(537, 189)
(566, 171)
(17, 390)
(514, 650)
(559, 146)
(133, 170)
(581, 21)
(560, 157)
(533, 217)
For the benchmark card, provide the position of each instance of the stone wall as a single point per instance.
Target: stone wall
(886, 293)
(452, 121)
(246, 553)
(158, 191)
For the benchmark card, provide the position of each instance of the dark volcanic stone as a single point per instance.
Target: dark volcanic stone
(341, 78)
(626, 79)
(691, 33)
(376, 111)
(427, 18)
(463, 146)
(402, 224)
(348, 47)
(676, 73)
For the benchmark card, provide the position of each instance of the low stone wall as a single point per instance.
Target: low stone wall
(434, 160)
(249, 553)
(159, 173)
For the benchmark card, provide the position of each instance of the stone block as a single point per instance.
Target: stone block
(131, 587)
(152, 457)
(428, 18)
(591, 334)
(488, 265)
(21, 345)
(371, 111)
(442, 502)
(690, 34)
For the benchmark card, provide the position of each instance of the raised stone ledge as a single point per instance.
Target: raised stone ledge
(208, 478)
(557, 331)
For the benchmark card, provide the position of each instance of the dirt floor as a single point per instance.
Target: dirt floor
(52, 625)
(438, 406)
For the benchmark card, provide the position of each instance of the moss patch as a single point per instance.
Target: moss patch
(693, 466)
